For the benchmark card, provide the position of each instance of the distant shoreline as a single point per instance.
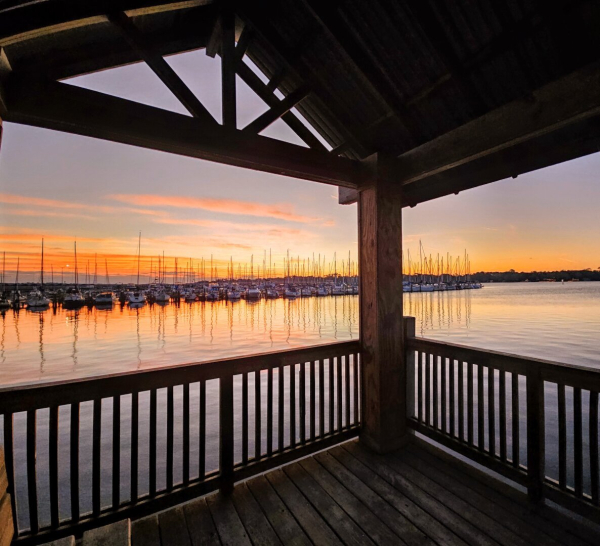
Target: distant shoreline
(585, 275)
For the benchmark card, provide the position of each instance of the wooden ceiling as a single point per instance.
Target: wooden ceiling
(455, 93)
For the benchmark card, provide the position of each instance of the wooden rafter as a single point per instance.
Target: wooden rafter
(278, 110)
(228, 64)
(160, 67)
(75, 110)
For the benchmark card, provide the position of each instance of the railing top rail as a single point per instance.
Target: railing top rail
(16, 398)
(547, 370)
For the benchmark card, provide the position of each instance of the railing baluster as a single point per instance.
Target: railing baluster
(313, 416)
(536, 444)
(428, 371)
(491, 411)
(270, 412)
(515, 420)
(186, 434)
(280, 411)
(302, 401)
(502, 405)
(461, 401)
(356, 381)
(135, 440)
(347, 385)
(562, 437)
(53, 464)
(419, 362)
(116, 452)
(480, 410)
(257, 416)
(578, 441)
(245, 418)
(321, 398)
(451, 392)
(152, 455)
(202, 431)
(226, 446)
(9, 463)
(170, 434)
(32, 470)
(444, 408)
(339, 385)
(331, 397)
(96, 457)
(74, 461)
(593, 429)
(470, 403)
(293, 405)
(435, 394)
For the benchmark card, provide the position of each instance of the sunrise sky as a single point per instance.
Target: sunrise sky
(64, 188)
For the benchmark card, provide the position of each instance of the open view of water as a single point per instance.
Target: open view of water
(553, 321)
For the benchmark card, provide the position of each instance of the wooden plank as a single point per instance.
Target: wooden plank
(470, 403)
(356, 383)
(452, 397)
(229, 526)
(226, 430)
(536, 445)
(593, 443)
(152, 446)
(463, 488)
(359, 513)
(578, 442)
(280, 518)
(135, 439)
(280, 409)
(406, 518)
(6, 520)
(321, 364)
(419, 362)
(96, 457)
(270, 412)
(312, 401)
(255, 522)
(461, 401)
(228, 64)
(502, 416)
(81, 111)
(186, 434)
(444, 426)
(257, 416)
(302, 401)
(53, 466)
(202, 430)
(428, 380)
(516, 414)
(275, 112)
(116, 452)
(244, 418)
(309, 519)
(347, 388)
(74, 462)
(491, 411)
(116, 534)
(170, 434)
(9, 464)
(331, 380)
(145, 532)
(339, 390)
(292, 393)
(160, 67)
(428, 502)
(200, 524)
(173, 527)
(562, 437)
(32, 470)
(480, 410)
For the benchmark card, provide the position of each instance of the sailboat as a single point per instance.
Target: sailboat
(36, 298)
(74, 298)
(5, 301)
(137, 297)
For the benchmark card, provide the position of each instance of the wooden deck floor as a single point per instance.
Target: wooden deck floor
(347, 495)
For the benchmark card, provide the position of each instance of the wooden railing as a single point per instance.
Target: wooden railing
(533, 421)
(86, 452)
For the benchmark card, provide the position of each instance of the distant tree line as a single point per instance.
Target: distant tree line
(537, 276)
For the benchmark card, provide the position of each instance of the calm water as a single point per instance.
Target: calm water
(545, 320)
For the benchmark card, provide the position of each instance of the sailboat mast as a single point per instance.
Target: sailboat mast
(42, 275)
(76, 272)
(139, 250)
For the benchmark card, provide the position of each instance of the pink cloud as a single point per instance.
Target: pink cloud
(227, 206)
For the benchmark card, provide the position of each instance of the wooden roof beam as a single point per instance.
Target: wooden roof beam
(228, 66)
(567, 101)
(273, 114)
(63, 107)
(160, 67)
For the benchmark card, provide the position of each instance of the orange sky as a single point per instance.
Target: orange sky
(63, 188)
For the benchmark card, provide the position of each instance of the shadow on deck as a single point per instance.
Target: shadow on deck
(349, 495)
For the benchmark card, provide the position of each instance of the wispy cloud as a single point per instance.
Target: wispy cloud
(226, 206)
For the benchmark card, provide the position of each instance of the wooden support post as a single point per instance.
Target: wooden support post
(6, 513)
(381, 321)
(226, 430)
(410, 331)
(536, 442)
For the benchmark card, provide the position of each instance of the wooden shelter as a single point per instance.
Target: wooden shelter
(411, 101)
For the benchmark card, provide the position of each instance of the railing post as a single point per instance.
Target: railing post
(226, 429)
(6, 514)
(409, 332)
(536, 442)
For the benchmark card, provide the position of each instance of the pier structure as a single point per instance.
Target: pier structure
(404, 102)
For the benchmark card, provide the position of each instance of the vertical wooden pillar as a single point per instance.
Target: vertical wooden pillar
(381, 322)
(6, 515)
